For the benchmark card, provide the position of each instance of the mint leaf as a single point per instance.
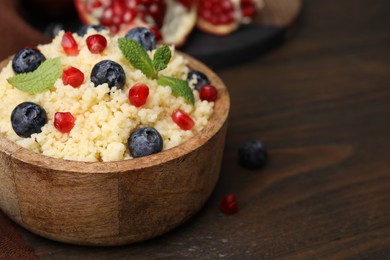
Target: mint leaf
(137, 56)
(179, 87)
(161, 58)
(40, 80)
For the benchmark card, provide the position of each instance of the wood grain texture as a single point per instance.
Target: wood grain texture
(281, 13)
(114, 203)
(320, 102)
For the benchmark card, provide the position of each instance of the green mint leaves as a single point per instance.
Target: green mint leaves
(41, 79)
(179, 87)
(161, 57)
(139, 58)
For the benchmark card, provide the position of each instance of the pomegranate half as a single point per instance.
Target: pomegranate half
(222, 17)
(173, 20)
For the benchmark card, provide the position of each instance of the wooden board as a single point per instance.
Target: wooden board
(248, 41)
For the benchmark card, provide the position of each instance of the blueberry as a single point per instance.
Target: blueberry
(145, 141)
(110, 72)
(84, 29)
(143, 36)
(252, 154)
(201, 79)
(27, 60)
(28, 118)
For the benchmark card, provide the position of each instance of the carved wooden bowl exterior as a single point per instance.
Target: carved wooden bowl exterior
(114, 203)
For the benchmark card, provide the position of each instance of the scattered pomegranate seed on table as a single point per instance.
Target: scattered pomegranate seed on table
(138, 94)
(228, 204)
(182, 119)
(72, 76)
(96, 43)
(64, 121)
(69, 44)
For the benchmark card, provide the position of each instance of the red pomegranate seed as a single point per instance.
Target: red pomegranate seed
(208, 92)
(64, 121)
(248, 8)
(156, 33)
(69, 44)
(96, 43)
(106, 19)
(129, 15)
(138, 94)
(182, 119)
(114, 29)
(32, 47)
(228, 205)
(217, 11)
(72, 76)
(118, 8)
(96, 4)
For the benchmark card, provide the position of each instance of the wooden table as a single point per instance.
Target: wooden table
(320, 101)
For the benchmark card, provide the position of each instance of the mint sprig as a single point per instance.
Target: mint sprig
(139, 58)
(179, 87)
(161, 57)
(40, 80)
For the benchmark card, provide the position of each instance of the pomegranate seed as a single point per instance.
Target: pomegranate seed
(217, 12)
(208, 92)
(96, 43)
(93, 5)
(117, 20)
(129, 15)
(182, 119)
(138, 94)
(69, 44)
(114, 29)
(118, 7)
(72, 76)
(228, 205)
(63, 121)
(156, 9)
(96, 4)
(248, 11)
(156, 33)
(32, 47)
(106, 19)
(248, 8)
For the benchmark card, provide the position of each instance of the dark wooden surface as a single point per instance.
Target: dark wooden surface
(321, 103)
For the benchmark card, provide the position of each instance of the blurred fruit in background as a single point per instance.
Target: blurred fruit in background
(171, 20)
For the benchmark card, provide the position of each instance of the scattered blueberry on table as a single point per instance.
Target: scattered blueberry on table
(252, 154)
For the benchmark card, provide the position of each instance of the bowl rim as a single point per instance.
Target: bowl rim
(215, 124)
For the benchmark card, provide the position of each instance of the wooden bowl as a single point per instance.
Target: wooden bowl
(114, 203)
